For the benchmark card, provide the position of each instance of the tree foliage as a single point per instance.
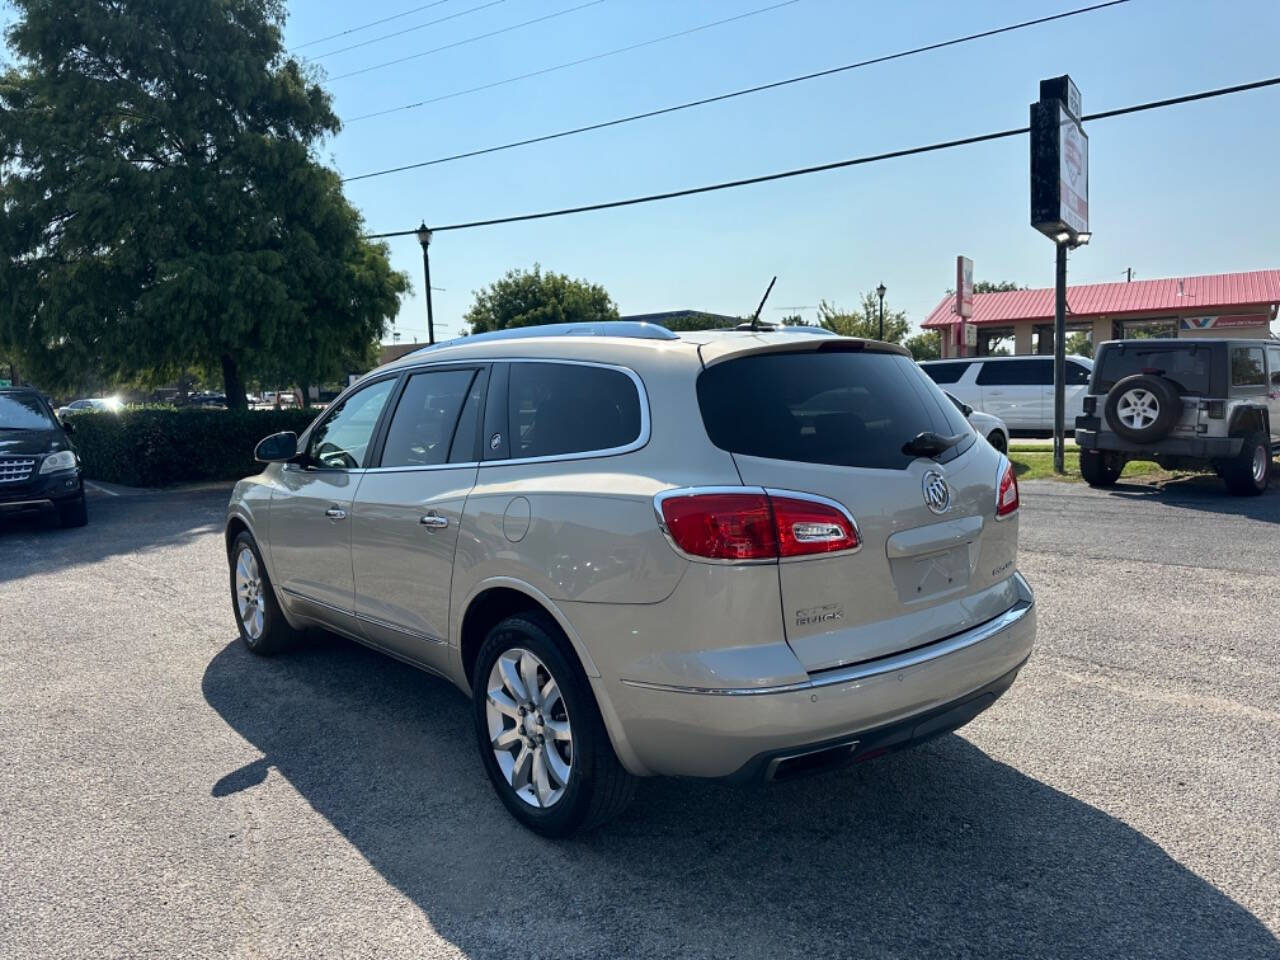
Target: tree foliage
(1079, 344)
(925, 345)
(526, 298)
(161, 201)
(996, 286)
(865, 321)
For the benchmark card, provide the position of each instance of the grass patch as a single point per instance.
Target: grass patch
(1036, 463)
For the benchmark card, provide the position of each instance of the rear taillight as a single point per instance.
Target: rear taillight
(807, 527)
(754, 525)
(1006, 491)
(1090, 405)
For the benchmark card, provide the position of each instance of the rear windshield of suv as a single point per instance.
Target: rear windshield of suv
(1190, 366)
(849, 409)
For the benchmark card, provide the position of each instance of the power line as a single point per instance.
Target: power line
(836, 165)
(401, 33)
(459, 43)
(375, 23)
(709, 100)
(563, 66)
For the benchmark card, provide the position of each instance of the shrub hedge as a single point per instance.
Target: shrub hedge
(159, 447)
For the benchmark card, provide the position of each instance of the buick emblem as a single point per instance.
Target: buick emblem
(937, 495)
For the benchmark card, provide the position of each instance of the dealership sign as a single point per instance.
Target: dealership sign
(964, 288)
(1224, 323)
(1059, 161)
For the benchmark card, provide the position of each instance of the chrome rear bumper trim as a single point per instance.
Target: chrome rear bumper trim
(874, 668)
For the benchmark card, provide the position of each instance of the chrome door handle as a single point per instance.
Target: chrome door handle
(336, 513)
(434, 521)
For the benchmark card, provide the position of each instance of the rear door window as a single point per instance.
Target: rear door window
(1247, 367)
(945, 372)
(1016, 373)
(426, 418)
(1189, 366)
(850, 409)
(1273, 356)
(559, 409)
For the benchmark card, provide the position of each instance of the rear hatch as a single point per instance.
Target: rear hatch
(830, 417)
(1197, 370)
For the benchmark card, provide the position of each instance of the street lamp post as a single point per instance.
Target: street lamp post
(881, 291)
(424, 238)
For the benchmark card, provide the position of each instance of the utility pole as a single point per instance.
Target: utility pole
(1129, 272)
(1060, 359)
(424, 238)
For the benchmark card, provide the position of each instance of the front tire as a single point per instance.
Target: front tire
(1248, 472)
(73, 513)
(263, 628)
(541, 738)
(1100, 469)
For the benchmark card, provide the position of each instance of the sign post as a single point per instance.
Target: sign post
(1059, 210)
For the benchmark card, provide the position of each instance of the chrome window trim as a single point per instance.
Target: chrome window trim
(424, 467)
(660, 498)
(875, 668)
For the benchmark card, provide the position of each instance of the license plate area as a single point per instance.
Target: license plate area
(928, 575)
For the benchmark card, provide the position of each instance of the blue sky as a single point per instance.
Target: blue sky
(1188, 190)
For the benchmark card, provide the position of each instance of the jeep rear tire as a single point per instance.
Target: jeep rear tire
(1248, 472)
(1143, 408)
(1100, 469)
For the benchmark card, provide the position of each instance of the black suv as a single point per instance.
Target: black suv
(39, 468)
(1183, 403)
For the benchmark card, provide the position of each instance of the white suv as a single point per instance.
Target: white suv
(1018, 390)
(718, 554)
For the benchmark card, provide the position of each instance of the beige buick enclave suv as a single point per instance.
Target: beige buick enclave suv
(730, 554)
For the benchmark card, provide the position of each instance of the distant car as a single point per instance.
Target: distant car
(208, 399)
(91, 405)
(39, 468)
(993, 428)
(1018, 390)
(1183, 403)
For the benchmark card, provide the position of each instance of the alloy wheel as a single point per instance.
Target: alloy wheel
(1138, 408)
(529, 728)
(250, 603)
(1260, 457)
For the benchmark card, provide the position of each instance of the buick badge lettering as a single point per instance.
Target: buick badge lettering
(937, 495)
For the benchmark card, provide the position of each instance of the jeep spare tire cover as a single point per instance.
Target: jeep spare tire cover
(1143, 408)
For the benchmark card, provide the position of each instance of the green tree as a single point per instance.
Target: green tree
(162, 203)
(527, 298)
(865, 321)
(996, 286)
(1080, 344)
(925, 345)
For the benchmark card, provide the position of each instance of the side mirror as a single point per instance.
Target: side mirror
(67, 426)
(277, 448)
(966, 410)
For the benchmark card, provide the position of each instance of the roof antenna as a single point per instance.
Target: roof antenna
(755, 319)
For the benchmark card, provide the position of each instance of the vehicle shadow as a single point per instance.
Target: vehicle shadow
(939, 852)
(34, 543)
(1205, 493)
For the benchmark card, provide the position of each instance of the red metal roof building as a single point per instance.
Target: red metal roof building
(1222, 305)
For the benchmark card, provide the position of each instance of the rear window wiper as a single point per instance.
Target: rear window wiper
(932, 445)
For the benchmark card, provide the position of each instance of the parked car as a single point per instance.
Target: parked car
(1183, 403)
(993, 428)
(1018, 390)
(714, 554)
(91, 405)
(39, 467)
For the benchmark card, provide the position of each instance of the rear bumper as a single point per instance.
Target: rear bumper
(1204, 448)
(883, 704)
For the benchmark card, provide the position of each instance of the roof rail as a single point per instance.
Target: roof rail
(602, 328)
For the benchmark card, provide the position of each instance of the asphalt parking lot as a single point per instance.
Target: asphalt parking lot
(164, 794)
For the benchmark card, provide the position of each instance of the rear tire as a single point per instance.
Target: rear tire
(1248, 472)
(263, 628)
(1100, 469)
(73, 513)
(556, 772)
